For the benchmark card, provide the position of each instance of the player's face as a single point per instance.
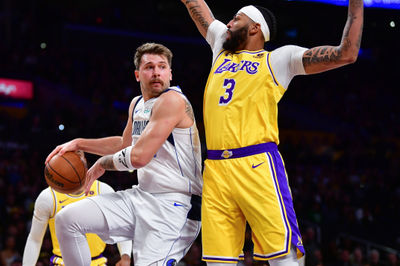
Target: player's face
(154, 75)
(237, 33)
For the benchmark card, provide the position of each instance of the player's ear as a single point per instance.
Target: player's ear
(170, 76)
(254, 28)
(137, 75)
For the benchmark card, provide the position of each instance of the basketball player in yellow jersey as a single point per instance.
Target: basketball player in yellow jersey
(47, 205)
(244, 175)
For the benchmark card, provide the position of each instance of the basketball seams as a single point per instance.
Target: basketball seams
(73, 167)
(66, 179)
(66, 173)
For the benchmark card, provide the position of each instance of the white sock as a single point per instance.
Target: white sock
(288, 260)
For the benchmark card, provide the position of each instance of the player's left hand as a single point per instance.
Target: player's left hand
(92, 174)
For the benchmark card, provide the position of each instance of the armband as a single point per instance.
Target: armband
(122, 160)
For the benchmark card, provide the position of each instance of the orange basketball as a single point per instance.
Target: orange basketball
(66, 173)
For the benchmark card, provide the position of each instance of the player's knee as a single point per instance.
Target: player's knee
(65, 221)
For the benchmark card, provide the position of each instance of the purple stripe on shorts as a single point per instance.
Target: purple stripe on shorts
(276, 177)
(52, 258)
(220, 259)
(287, 200)
(241, 152)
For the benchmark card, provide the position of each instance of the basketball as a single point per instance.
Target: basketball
(66, 173)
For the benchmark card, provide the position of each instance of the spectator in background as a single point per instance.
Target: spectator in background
(357, 258)
(374, 258)
(9, 254)
(392, 259)
(344, 259)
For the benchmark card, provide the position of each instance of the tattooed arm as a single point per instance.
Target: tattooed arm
(323, 58)
(200, 13)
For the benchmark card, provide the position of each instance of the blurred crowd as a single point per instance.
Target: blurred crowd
(339, 131)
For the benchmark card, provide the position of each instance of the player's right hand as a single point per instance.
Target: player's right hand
(63, 148)
(92, 174)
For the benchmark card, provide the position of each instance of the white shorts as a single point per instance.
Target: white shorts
(157, 224)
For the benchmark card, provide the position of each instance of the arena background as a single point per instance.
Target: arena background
(339, 130)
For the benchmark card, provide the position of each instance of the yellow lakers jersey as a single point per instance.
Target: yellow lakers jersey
(241, 101)
(60, 200)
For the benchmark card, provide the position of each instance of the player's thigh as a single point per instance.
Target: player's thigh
(119, 216)
(223, 223)
(83, 216)
(268, 206)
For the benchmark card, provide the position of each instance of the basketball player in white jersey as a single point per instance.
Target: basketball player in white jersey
(162, 214)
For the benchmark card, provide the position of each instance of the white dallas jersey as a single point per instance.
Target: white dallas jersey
(176, 167)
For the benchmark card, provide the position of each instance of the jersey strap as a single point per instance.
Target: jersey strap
(133, 110)
(241, 152)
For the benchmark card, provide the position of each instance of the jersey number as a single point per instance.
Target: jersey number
(229, 86)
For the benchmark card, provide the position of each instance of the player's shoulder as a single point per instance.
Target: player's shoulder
(45, 193)
(286, 50)
(134, 101)
(170, 101)
(172, 94)
(45, 197)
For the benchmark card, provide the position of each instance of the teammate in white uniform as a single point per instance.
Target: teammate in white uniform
(162, 214)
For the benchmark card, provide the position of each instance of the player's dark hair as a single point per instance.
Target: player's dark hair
(271, 21)
(152, 48)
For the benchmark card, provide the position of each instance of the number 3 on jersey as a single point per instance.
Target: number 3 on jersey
(229, 86)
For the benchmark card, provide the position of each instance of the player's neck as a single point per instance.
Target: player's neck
(254, 45)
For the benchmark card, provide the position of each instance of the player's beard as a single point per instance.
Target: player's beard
(238, 37)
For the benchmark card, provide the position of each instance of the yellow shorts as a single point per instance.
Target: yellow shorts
(254, 189)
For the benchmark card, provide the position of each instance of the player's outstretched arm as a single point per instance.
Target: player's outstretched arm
(200, 13)
(168, 112)
(323, 58)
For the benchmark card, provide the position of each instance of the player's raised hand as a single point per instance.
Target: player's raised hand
(92, 174)
(63, 148)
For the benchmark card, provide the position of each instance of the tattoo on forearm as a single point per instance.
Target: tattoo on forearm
(354, 5)
(189, 110)
(197, 15)
(107, 162)
(321, 54)
(351, 40)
